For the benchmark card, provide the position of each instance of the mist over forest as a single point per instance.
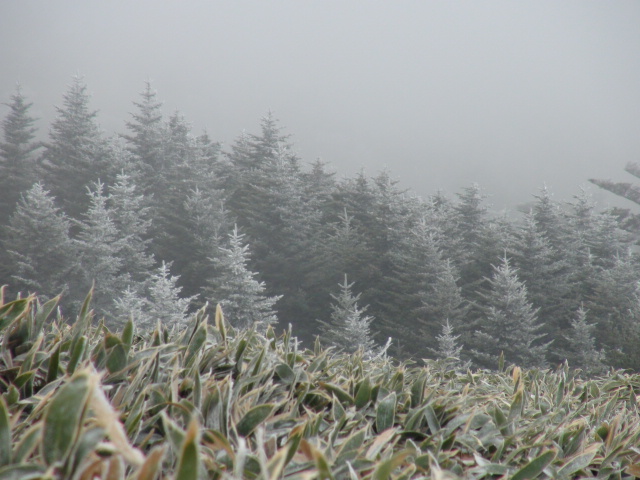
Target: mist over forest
(162, 221)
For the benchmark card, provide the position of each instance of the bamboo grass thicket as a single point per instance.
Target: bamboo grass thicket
(78, 400)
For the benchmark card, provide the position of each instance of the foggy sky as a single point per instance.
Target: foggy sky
(507, 94)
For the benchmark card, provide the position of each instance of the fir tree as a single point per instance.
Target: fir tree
(132, 305)
(241, 296)
(509, 323)
(164, 301)
(547, 279)
(208, 223)
(41, 253)
(100, 247)
(583, 353)
(131, 219)
(146, 138)
(349, 328)
(449, 352)
(76, 154)
(445, 299)
(18, 166)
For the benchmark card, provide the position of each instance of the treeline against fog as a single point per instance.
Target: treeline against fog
(162, 220)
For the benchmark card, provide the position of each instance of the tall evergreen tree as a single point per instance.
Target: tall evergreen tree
(131, 219)
(100, 249)
(42, 255)
(509, 323)
(18, 166)
(241, 296)
(615, 306)
(164, 301)
(208, 223)
(76, 154)
(449, 351)
(582, 352)
(547, 277)
(349, 328)
(146, 140)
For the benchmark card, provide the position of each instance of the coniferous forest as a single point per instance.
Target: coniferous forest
(162, 221)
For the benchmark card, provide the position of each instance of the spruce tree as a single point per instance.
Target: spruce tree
(349, 328)
(18, 166)
(241, 296)
(41, 253)
(508, 323)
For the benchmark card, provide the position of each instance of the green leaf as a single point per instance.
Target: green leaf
(432, 419)
(516, 404)
(54, 365)
(384, 468)
(417, 390)
(285, 373)
(117, 359)
(5, 434)
(63, 418)
(21, 472)
(197, 341)
(189, 462)
(127, 333)
(253, 418)
(385, 413)
(43, 313)
(340, 394)
(536, 466)
(12, 311)
(76, 354)
(27, 444)
(363, 394)
(579, 461)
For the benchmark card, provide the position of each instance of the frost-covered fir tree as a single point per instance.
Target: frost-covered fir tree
(146, 138)
(42, 255)
(509, 323)
(18, 166)
(131, 219)
(132, 305)
(583, 353)
(449, 350)
(235, 288)
(76, 153)
(100, 246)
(164, 301)
(349, 328)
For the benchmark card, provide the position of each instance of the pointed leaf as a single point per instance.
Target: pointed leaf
(189, 463)
(63, 418)
(385, 413)
(5, 434)
(253, 418)
(536, 466)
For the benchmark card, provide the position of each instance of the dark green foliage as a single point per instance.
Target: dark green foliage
(76, 154)
(42, 257)
(349, 328)
(168, 197)
(509, 323)
(18, 166)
